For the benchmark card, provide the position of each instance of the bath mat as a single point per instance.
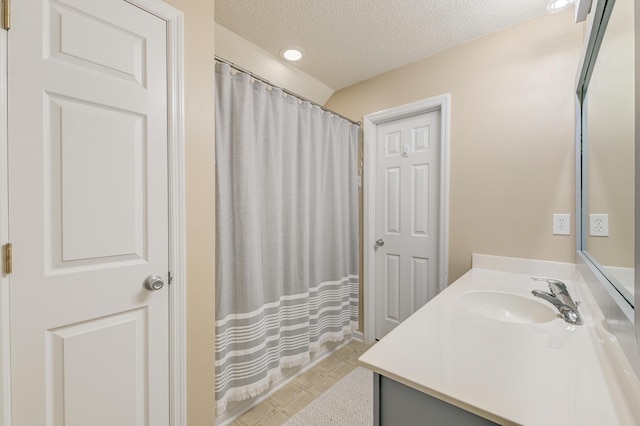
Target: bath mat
(347, 403)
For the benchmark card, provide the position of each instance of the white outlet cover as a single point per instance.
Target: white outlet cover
(599, 225)
(561, 224)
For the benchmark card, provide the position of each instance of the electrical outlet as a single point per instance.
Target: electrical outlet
(561, 224)
(599, 225)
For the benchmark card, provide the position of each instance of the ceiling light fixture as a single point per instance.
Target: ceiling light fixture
(555, 6)
(292, 53)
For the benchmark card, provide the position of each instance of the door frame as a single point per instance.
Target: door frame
(175, 185)
(440, 103)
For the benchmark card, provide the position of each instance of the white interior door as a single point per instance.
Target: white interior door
(88, 201)
(406, 217)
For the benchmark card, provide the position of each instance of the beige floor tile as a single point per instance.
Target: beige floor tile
(258, 413)
(322, 385)
(277, 419)
(352, 361)
(354, 353)
(303, 399)
(307, 378)
(351, 349)
(327, 364)
(285, 395)
(346, 354)
(342, 370)
(358, 345)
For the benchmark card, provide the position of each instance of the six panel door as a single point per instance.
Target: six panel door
(407, 217)
(88, 213)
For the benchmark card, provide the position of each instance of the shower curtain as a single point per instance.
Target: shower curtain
(287, 232)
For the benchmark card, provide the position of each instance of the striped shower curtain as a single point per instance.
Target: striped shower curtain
(287, 229)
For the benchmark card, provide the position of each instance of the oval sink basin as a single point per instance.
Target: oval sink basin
(507, 307)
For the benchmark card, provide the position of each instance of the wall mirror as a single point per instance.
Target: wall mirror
(607, 177)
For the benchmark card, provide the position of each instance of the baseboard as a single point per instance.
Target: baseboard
(238, 408)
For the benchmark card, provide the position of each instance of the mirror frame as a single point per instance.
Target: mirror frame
(620, 316)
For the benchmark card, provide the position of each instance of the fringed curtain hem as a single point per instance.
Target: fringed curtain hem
(252, 348)
(255, 389)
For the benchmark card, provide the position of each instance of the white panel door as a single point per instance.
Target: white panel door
(406, 217)
(88, 214)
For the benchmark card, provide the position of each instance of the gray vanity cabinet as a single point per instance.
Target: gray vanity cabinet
(397, 404)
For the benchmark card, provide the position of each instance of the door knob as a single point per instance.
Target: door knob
(153, 282)
(380, 242)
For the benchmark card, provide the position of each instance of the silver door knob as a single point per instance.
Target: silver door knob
(153, 282)
(380, 242)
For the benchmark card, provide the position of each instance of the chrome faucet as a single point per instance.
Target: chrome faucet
(559, 297)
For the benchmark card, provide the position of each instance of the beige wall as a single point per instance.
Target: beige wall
(512, 135)
(200, 195)
(511, 163)
(231, 47)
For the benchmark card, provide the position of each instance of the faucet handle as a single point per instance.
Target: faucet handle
(558, 287)
(550, 281)
(555, 286)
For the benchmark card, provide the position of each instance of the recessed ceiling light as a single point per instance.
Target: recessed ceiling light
(558, 5)
(292, 53)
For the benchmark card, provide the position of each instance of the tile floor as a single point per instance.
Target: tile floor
(305, 388)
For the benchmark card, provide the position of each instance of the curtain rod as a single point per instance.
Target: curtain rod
(288, 92)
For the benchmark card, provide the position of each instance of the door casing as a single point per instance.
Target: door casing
(439, 103)
(177, 249)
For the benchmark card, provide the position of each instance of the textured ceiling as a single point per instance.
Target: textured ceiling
(347, 41)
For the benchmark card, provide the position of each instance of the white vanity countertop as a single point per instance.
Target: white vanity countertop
(549, 373)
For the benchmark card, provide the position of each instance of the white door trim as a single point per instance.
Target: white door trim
(5, 330)
(177, 251)
(439, 103)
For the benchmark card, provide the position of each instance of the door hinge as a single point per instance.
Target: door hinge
(8, 258)
(6, 14)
